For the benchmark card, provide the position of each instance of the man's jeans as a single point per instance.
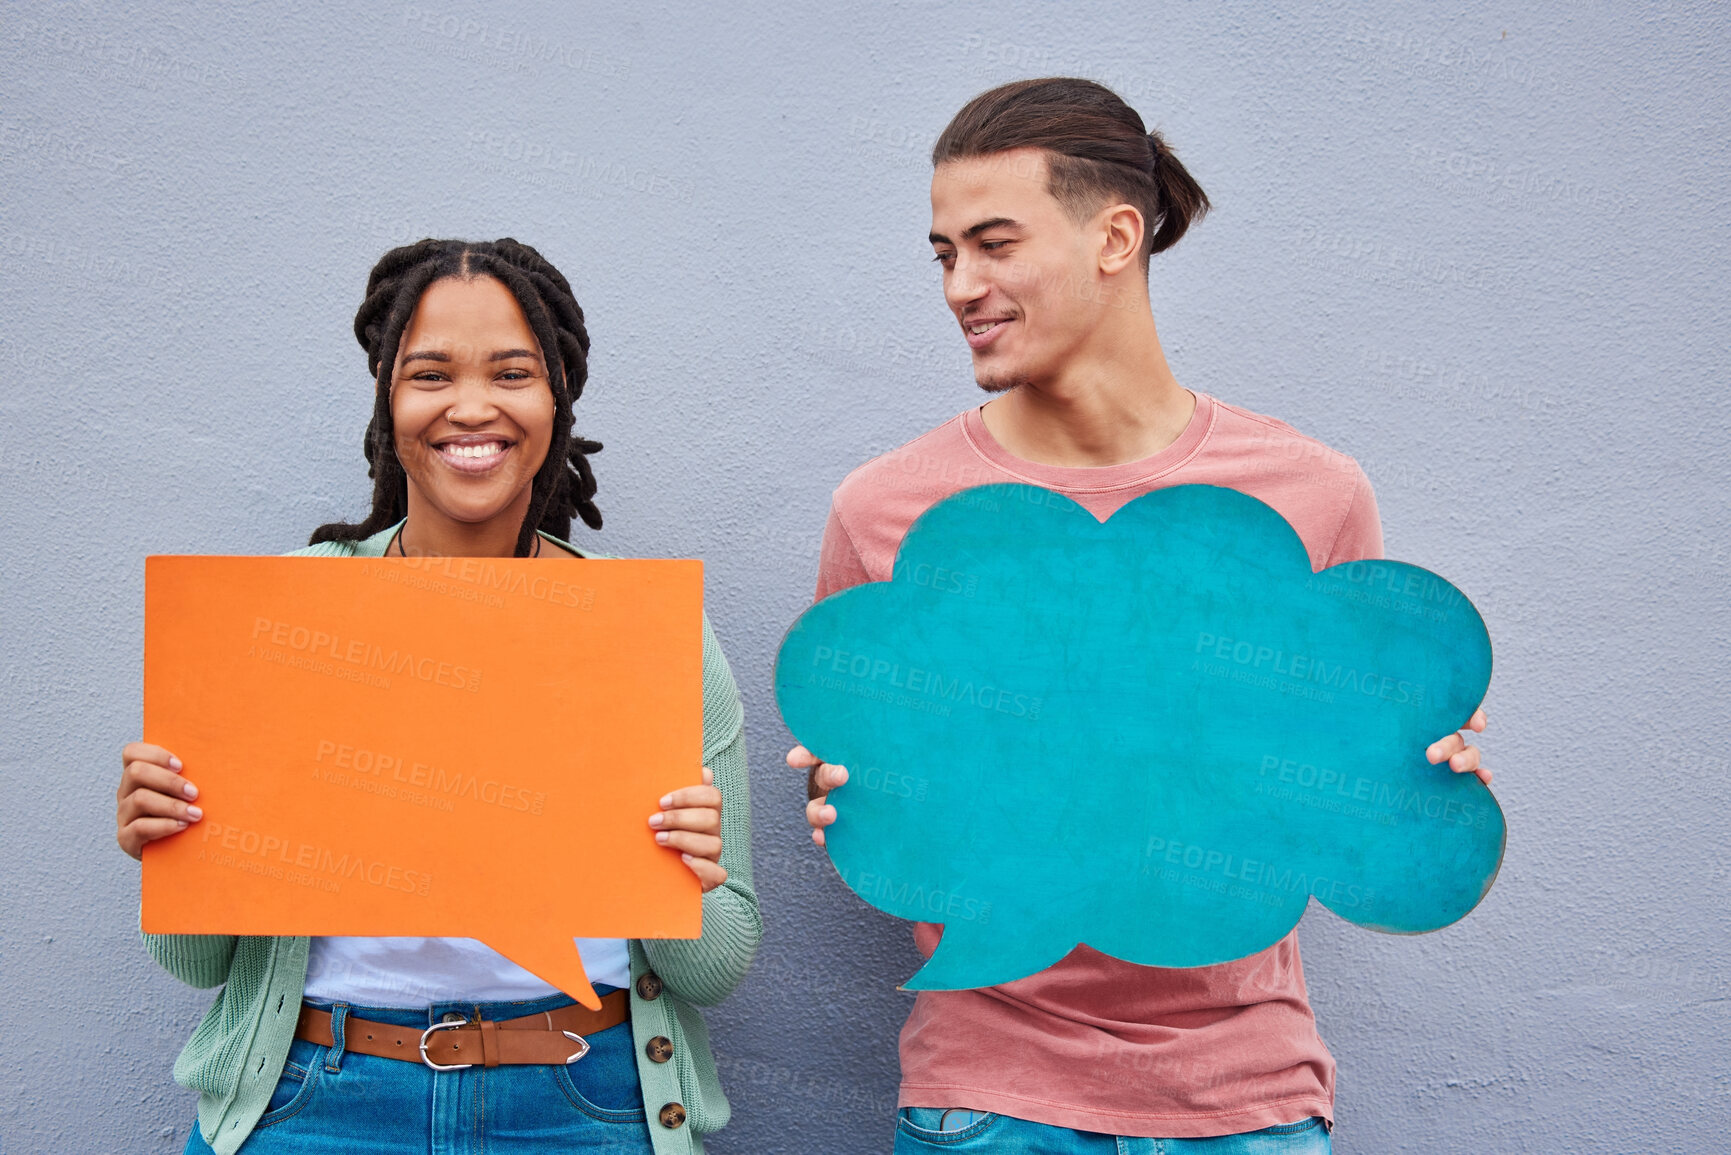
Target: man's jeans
(917, 1132)
(346, 1104)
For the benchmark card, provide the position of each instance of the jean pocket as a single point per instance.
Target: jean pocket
(1305, 1137)
(295, 1086)
(1301, 1127)
(620, 1113)
(926, 1125)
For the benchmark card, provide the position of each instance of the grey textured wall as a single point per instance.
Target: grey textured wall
(1481, 248)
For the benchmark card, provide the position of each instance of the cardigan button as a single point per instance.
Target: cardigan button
(649, 986)
(659, 1049)
(673, 1116)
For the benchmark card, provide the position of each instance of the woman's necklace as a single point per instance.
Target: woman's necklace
(397, 540)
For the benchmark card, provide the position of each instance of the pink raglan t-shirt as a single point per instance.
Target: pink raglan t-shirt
(1095, 1043)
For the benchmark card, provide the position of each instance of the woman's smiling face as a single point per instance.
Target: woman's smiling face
(471, 404)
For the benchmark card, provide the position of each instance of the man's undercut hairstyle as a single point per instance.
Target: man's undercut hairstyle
(1100, 152)
(564, 486)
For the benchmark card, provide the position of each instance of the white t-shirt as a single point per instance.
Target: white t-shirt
(415, 972)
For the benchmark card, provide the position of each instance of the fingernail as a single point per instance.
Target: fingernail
(180, 825)
(173, 762)
(189, 790)
(194, 813)
(687, 858)
(662, 836)
(657, 819)
(666, 801)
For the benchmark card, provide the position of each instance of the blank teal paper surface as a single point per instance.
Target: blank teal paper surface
(1160, 735)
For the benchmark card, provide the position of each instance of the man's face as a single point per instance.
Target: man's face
(1021, 276)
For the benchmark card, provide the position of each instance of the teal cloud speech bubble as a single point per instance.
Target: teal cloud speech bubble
(1159, 736)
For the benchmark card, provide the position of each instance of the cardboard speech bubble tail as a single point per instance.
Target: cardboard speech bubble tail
(550, 958)
(971, 955)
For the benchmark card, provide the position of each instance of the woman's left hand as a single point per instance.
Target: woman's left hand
(690, 822)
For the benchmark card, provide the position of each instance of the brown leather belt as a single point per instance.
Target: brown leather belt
(549, 1037)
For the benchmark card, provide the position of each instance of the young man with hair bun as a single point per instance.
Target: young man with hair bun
(1048, 199)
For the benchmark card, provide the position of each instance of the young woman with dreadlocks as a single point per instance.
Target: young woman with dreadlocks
(478, 352)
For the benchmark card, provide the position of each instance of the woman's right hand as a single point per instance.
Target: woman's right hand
(821, 778)
(153, 801)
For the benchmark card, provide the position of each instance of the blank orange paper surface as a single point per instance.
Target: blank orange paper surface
(456, 746)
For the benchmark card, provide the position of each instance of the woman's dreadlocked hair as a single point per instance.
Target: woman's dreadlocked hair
(565, 484)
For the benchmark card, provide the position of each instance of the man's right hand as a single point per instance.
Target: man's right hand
(153, 801)
(820, 779)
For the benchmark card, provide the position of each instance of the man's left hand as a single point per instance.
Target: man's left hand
(1462, 757)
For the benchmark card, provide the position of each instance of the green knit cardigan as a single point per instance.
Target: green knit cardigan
(235, 1056)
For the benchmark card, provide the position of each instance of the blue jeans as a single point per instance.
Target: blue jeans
(918, 1130)
(343, 1103)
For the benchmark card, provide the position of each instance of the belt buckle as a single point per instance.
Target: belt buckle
(442, 1027)
(582, 1046)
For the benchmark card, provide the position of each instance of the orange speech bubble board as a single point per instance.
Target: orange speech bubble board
(402, 746)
